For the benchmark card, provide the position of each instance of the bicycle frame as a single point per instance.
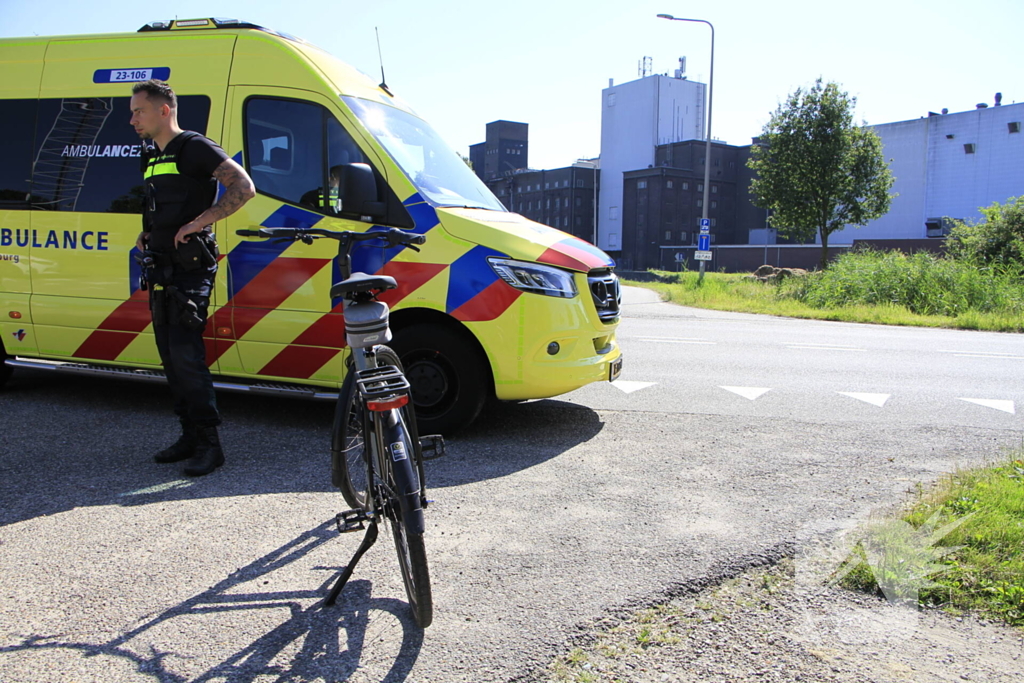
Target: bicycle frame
(379, 395)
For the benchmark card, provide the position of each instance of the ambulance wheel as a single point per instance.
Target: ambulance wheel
(448, 374)
(5, 370)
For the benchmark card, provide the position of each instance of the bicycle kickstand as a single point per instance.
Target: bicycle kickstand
(368, 540)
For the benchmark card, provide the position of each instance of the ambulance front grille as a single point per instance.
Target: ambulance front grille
(604, 289)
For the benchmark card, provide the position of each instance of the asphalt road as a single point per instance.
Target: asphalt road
(549, 515)
(698, 361)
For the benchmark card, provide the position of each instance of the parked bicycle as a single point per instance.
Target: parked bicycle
(376, 452)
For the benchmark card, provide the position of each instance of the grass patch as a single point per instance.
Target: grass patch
(960, 546)
(888, 288)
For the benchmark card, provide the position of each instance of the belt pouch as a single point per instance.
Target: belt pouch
(192, 255)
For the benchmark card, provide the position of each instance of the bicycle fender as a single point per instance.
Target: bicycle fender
(399, 449)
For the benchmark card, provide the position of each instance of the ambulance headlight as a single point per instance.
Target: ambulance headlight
(535, 278)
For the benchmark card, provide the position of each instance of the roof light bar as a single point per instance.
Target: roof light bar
(216, 22)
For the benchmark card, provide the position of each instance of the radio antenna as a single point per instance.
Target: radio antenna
(383, 81)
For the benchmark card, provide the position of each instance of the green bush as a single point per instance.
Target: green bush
(997, 242)
(923, 283)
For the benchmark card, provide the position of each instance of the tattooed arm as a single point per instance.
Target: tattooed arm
(238, 189)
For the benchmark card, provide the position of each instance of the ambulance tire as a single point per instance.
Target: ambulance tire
(448, 373)
(5, 370)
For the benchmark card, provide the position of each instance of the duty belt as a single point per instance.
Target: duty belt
(170, 306)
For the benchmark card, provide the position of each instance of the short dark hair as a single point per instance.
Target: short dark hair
(157, 90)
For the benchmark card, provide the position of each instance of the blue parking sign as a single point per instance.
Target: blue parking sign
(705, 224)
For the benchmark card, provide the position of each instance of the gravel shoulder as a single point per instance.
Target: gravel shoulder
(767, 625)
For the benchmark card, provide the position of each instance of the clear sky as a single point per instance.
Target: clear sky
(545, 62)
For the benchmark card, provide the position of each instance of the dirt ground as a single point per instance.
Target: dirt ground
(767, 625)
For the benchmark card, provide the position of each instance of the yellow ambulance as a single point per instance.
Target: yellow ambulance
(493, 305)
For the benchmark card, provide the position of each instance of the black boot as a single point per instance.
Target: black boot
(183, 448)
(208, 455)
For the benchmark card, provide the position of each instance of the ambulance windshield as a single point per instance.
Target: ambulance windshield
(440, 174)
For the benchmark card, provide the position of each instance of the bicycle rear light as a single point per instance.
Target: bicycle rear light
(380, 406)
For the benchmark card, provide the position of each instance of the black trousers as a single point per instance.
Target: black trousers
(183, 352)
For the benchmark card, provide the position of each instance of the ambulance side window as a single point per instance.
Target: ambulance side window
(342, 149)
(284, 143)
(17, 121)
(289, 147)
(85, 155)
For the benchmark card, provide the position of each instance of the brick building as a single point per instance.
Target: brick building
(662, 205)
(506, 148)
(563, 198)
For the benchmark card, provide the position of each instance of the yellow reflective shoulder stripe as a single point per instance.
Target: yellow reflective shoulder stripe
(161, 167)
(324, 202)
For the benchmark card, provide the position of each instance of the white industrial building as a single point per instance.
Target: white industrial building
(946, 166)
(635, 118)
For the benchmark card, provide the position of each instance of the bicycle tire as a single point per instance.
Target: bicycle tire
(349, 460)
(405, 515)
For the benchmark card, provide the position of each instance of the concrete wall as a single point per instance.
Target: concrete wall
(960, 183)
(746, 259)
(906, 144)
(935, 177)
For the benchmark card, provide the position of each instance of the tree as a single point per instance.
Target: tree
(133, 202)
(816, 170)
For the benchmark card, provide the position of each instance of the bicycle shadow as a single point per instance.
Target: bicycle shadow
(332, 639)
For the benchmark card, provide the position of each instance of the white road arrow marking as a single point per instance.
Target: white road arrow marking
(630, 387)
(1005, 406)
(874, 399)
(750, 393)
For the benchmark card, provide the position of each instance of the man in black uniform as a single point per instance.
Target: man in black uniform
(181, 174)
(315, 199)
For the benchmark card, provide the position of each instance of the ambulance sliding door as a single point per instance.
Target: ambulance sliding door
(286, 326)
(88, 190)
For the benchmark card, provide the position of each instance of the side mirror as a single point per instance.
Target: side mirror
(357, 189)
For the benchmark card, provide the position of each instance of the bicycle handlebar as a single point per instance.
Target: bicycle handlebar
(393, 236)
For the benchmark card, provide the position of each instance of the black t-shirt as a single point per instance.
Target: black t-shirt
(200, 157)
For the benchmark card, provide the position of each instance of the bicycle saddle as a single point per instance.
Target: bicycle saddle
(361, 282)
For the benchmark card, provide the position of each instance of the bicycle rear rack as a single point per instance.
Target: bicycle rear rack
(383, 382)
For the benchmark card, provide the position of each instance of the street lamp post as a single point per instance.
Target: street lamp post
(765, 237)
(711, 90)
(510, 175)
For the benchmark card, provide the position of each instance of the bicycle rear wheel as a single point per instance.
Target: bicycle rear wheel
(404, 511)
(349, 456)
